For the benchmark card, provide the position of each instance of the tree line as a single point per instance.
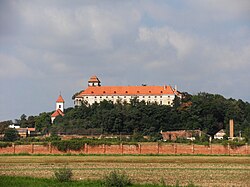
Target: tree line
(204, 111)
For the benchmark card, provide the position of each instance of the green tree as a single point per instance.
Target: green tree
(42, 122)
(11, 135)
(4, 125)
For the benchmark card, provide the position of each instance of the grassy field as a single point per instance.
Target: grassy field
(200, 170)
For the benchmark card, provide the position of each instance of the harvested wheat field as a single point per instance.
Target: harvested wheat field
(200, 170)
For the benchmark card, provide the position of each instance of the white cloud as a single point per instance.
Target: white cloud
(89, 26)
(165, 36)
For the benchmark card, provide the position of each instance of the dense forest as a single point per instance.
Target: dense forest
(204, 111)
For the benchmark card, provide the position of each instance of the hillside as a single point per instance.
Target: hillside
(204, 111)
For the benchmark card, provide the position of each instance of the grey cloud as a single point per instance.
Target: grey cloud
(53, 46)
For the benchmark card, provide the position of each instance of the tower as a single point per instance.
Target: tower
(59, 108)
(94, 81)
(231, 128)
(60, 103)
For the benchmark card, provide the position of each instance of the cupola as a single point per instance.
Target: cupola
(94, 81)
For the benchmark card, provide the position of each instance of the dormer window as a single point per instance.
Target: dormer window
(126, 92)
(104, 92)
(138, 92)
(92, 92)
(115, 92)
(149, 91)
(161, 92)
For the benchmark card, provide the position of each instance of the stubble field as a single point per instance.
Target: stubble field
(200, 170)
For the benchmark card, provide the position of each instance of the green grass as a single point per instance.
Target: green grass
(10, 181)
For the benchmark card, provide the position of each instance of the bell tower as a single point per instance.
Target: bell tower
(94, 81)
(60, 103)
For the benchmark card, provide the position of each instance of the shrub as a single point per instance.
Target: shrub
(63, 174)
(60, 145)
(116, 179)
(5, 144)
(233, 144)
(162, 182)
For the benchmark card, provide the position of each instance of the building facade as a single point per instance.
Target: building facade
(185, 134)
(162, 95)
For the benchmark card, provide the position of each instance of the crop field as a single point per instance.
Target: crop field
(199, 170)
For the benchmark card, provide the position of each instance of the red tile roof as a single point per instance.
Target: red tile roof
(94, 79)
(31, 129)
(57, 113)
(60, 99)
(127, 90)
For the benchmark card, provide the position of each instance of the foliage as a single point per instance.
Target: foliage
(116, 179)
(233, 144)
(4, 125)
(77, 144)
(5, 144)
(63, 174)
(207, 112)
(10, 181)
(65, 145)
(11, 135)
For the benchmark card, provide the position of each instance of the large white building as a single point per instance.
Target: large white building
(163, 95)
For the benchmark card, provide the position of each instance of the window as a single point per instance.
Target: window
(92, 92)
(126, 92)
(149, 91)
(161, 91)
(138, 92)
(60, 106)
(114, 91)
(160, 102)
(104, 92)
(155, 96)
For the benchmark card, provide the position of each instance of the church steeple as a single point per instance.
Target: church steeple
(94, 81)
(60, 103)
(59, 108)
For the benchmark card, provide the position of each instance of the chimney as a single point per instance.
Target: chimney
(231, 128)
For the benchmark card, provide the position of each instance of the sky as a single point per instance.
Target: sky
(50, 47)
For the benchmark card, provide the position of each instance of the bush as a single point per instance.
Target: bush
(5, 144)
(63, 174)
(11, 135)
(116, 179)
(233, 144)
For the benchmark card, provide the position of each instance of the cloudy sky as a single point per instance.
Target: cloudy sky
(53, 46)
